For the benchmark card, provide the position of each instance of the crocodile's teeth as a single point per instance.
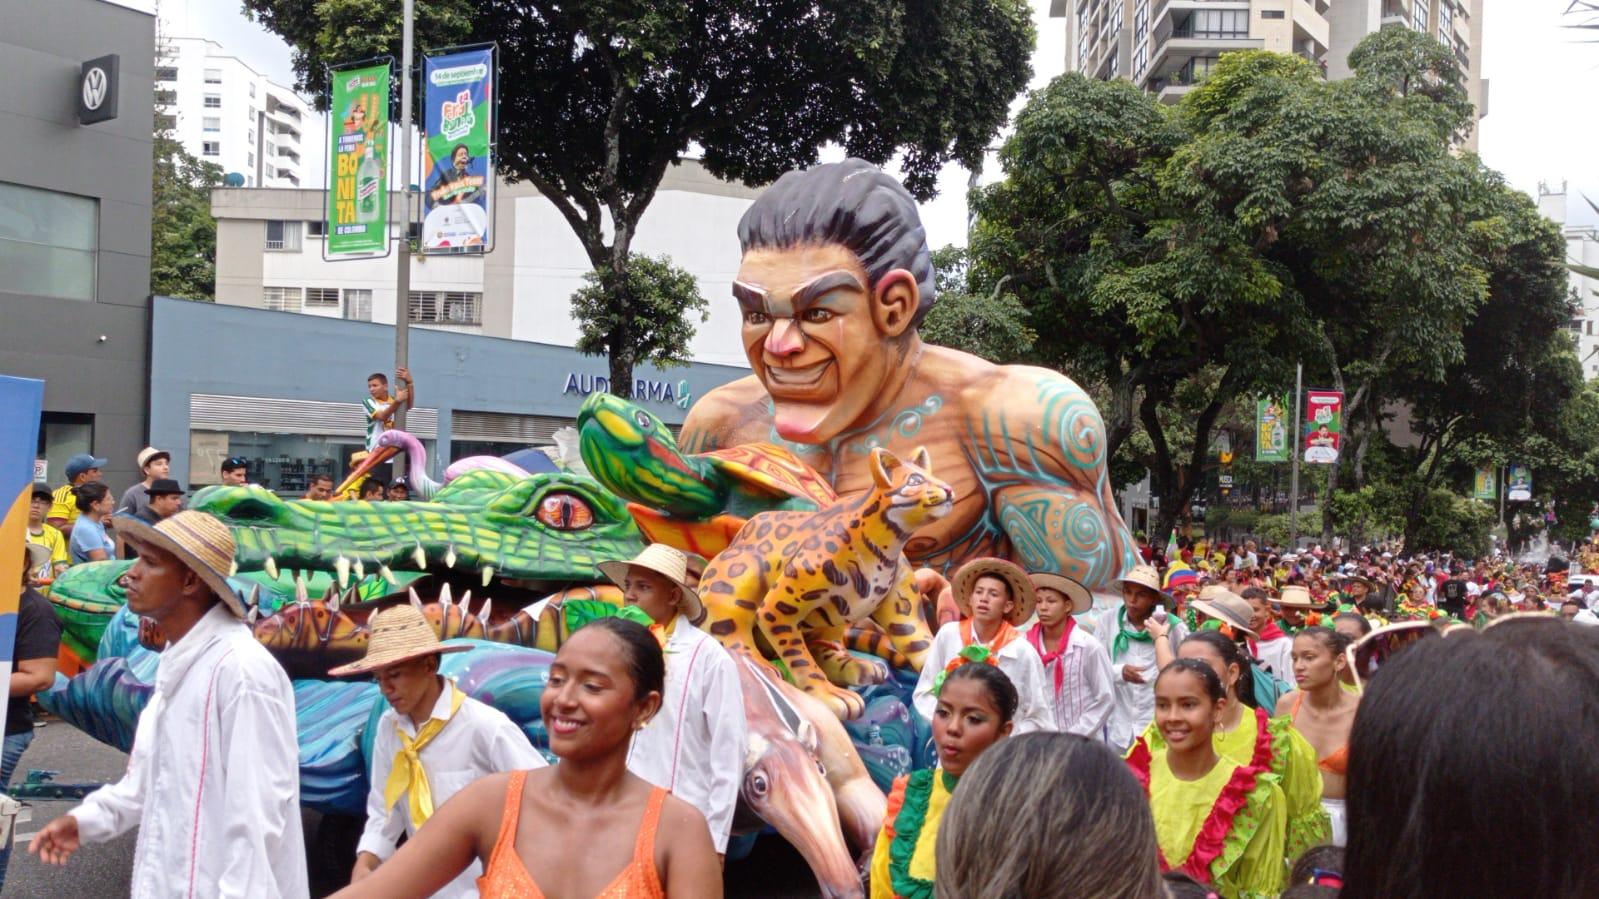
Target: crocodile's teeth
(329, 595)
(233, 568)
(444, 598)
(271, 568)
(299, 590)
(255, 598)
(333, 603)
(416, 601)
(252, 615)
(386, 574)
(483, 613)
(488, 574)
(342, 566)
(421, 558)
(449, 556)
(466, 600)
(360, 570)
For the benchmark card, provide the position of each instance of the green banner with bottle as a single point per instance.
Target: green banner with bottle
(1485, 484)
(1271, 429)
(358, 161)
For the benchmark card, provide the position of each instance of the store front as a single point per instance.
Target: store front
(287, 398)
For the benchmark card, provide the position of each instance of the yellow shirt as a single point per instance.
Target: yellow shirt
(921, 865)
(1294, 763)
(64, 504)
(1181, 808)
(50, 538)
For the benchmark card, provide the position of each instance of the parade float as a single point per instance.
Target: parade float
(831, 491)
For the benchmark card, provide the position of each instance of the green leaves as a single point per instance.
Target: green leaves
(183, 235)
(642, 314)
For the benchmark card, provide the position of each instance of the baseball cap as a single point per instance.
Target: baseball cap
(41, 490)
(150, 454)
(234, 462)
(165, 487)
(81, 463)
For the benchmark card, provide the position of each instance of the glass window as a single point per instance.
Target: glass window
(1215, 24)
(213, 101)
(281, 299)
(1272, 14)
(211, 123)
(446, 308)
(317, 228)
(1419, 18)
(211, 148)
(358, 305)
(1140, 60)
(249, 158)
(252, 89)
(166, 98)
(322, 297)
(1141, 20)
(213, 76)
(281, 235)
(165, 122)
(49, 242)
(166, 73)
(1444, 22)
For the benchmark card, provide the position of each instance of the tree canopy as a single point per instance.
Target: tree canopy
(183, 235)
(598, 98)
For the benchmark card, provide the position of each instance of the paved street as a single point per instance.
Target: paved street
(773, 871)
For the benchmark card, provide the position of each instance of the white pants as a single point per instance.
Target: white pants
(1340, 821)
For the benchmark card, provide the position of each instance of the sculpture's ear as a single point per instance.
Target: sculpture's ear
(882, 463)
(922, 460)
(895, 297)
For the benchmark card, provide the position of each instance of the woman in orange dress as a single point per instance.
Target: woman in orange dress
(1324, 713)
(582, 829)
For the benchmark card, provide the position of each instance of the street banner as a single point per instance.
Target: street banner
(458, 151)
(1485, 486)
(22, 398)
(1271, 429)
(1519, 483)
(1324, 418)
(358, 161)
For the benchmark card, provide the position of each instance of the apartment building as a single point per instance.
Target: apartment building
(225, 111)
(1582, 248)
(1167, 46)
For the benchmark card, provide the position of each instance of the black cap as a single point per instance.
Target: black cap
(165, 487)
(233, 462)
(41, 490)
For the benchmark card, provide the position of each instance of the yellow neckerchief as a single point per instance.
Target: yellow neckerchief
(407, 777)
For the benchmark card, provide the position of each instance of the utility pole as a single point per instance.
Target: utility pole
(1293, 488)
(402, 280)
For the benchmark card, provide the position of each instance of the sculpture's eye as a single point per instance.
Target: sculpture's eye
(565, 512)
(645, 422)
(758, 784)
(756, 318)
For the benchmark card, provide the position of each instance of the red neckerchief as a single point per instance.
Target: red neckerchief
(1007, 633)
(1035, 636)
(1270, 632)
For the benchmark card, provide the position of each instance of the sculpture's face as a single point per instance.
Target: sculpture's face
(814, 332)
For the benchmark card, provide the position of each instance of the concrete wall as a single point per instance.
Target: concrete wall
(42, 47)
(204, 348)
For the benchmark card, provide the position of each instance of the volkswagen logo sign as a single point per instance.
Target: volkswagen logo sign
(95, 85)
(97, 90)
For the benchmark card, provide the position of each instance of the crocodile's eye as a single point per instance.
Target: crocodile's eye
(643, 419)
(565, 512)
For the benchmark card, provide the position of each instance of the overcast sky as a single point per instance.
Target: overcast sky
(1542, 125)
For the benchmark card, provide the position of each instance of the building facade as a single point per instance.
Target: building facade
(75, 224)
(1167, 46)
(284, 391)
(270, 255)
(224, 111)
(1582, 248)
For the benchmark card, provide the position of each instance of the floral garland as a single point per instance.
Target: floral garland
(1212, 838)
(907, 815)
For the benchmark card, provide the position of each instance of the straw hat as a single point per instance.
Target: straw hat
(1297, 597)
(1021, 589)
(1081, 599)
(1225, 606)
(1144, 575)
(399, 633)
(38, 556)
(199, 541)
(668, 563)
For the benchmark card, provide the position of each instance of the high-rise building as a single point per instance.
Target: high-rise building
(224, 111)
(1582, 248)
(1166, 46)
